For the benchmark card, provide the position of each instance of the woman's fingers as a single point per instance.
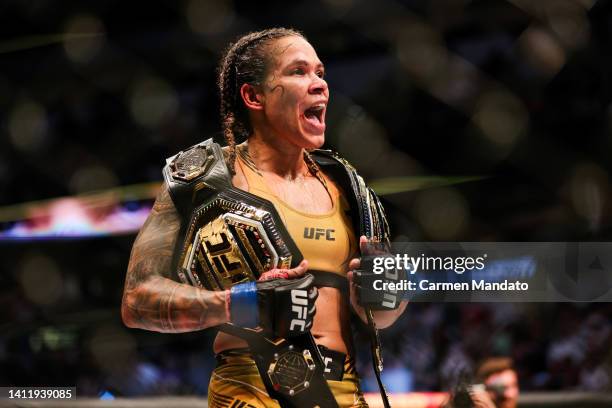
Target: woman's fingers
(292, 273)
(363, 244)
(354, 263)
(298, 271)
(366, 247)
(371, 247)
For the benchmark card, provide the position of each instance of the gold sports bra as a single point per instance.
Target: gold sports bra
(327, 241)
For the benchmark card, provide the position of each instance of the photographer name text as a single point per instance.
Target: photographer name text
(426, 285)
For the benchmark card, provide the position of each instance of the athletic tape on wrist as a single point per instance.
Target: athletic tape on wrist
(243, 305)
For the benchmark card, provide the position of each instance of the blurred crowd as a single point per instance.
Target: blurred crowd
(515, 93)
(554, 346)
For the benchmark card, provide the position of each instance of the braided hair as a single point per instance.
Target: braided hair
(244, 62)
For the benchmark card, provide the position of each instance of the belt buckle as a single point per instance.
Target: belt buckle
(291, 371)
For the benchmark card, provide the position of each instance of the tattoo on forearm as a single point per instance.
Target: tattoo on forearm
(151, 299)
(163, 305)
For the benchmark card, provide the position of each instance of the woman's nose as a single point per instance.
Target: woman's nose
(318, 85)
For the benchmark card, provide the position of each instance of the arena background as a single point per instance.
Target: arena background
(475, 121)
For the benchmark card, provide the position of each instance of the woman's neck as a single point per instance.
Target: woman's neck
(278, 156)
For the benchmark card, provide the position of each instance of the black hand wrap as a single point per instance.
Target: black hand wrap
(284, 307)
(373, 289)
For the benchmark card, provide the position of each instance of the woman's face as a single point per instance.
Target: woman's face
(294, 94)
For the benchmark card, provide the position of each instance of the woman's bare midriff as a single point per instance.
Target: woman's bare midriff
(331, 326)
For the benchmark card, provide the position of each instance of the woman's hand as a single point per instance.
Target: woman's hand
(282, 302)
(292, 273)
(383, 318)
(354, 264)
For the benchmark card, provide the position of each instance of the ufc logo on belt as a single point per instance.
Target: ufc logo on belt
(299, 302)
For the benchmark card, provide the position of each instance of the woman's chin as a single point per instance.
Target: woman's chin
(314, 141)
(306, 140)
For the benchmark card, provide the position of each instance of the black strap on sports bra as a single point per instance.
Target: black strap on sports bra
(331, 280)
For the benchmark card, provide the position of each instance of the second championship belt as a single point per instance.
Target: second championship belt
(233, 237)
(368, 210)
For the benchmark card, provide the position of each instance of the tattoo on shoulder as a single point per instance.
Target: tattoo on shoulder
(153, 249)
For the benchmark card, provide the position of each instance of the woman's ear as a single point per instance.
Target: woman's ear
(251, 97)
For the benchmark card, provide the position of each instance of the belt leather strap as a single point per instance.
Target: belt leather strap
(331, 280)
(334, 363)
(377, 360)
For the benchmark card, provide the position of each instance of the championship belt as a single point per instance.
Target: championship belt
(233, 237)
(372, 222)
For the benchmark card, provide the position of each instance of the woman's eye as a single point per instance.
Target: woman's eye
(320, 74)
(298, 71)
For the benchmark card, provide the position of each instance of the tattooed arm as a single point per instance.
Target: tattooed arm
(153, 301)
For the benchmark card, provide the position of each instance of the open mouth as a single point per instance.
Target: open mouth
(315, 115)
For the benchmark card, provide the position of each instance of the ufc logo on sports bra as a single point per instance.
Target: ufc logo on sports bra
(299, 300)
(318, 233)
